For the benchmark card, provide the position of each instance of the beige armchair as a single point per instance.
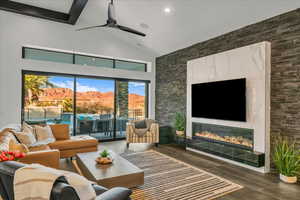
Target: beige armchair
(149, 134)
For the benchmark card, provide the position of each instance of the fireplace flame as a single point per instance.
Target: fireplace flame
(240, 140)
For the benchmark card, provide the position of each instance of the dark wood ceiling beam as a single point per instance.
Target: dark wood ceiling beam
(76, 9)
(33, 11)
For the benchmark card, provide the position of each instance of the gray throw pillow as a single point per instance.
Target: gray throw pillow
(140, 124)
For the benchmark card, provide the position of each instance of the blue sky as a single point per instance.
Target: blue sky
(85, 84)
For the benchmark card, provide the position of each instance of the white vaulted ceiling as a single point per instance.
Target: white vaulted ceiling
(189, 22)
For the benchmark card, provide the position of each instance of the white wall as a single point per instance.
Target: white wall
(18, 30)
(251, 62)
(2, 82)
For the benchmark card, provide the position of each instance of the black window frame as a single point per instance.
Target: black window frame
(126, 61)
(90, 56)
(75, 76)
(87, 55)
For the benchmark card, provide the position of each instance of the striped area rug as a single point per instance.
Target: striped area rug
(168, 178)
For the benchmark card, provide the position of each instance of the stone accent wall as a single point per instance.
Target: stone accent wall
(122, 99)
(282, 31)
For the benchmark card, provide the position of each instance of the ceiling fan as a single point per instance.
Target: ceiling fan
(112, 23)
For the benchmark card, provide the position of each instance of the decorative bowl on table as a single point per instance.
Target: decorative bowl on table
(104, 158)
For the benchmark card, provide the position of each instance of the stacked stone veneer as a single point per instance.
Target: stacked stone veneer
(282, 31)
(122, 99)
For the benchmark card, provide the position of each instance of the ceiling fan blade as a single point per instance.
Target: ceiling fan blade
(91, 27)
(130, 30)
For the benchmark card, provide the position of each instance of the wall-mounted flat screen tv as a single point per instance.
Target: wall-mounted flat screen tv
(225, 100)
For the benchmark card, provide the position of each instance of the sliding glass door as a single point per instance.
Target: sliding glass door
(138, 101)
(94, 106)
(130, 104)
(48, 99)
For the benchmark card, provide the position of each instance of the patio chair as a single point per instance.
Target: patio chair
(86, 127)
(121, 126)
(103, 126)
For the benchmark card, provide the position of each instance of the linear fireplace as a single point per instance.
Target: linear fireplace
(228, 142)
(236, 137)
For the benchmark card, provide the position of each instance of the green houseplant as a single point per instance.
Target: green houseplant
(179, 123)
(287, 160)
(104, 154)
(105, 158)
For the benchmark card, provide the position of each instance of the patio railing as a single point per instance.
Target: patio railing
(99, 125)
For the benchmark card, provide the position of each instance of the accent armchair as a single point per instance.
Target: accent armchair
(144, 131)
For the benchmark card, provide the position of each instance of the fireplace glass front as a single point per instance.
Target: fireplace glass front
(229, 142)
(232, 136)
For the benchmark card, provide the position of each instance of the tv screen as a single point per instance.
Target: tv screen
(225, 100)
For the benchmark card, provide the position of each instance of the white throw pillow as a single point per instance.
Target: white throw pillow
(27, 128)
(26, 138)
(44, 133)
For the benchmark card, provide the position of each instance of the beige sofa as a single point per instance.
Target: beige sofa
(65, 146)
(70, 145)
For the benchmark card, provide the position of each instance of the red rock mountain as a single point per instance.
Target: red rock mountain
(104, 98)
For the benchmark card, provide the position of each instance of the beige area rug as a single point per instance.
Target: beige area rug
(168, 178)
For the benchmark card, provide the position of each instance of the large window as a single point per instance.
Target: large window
(96, 106)
(131, 101)
(93, 61)
(45, 55)
(95, 103)
(48, 99)
(78, 59)
(130, 65)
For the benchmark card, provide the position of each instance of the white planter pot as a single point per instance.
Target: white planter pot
(180, 133)
(288, 179)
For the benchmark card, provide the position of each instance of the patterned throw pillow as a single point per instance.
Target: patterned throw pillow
(26, 138)
(44, 133)
(5, 137)
(27, 128)
(13, 146)
(141, 124)
(7, 132)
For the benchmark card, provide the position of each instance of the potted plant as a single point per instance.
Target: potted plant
(179, 123)
(287, 160)
(104, 158)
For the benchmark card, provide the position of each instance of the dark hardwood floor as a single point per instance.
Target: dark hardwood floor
(257, 186)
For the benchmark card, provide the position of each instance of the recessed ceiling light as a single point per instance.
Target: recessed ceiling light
(167, 10)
